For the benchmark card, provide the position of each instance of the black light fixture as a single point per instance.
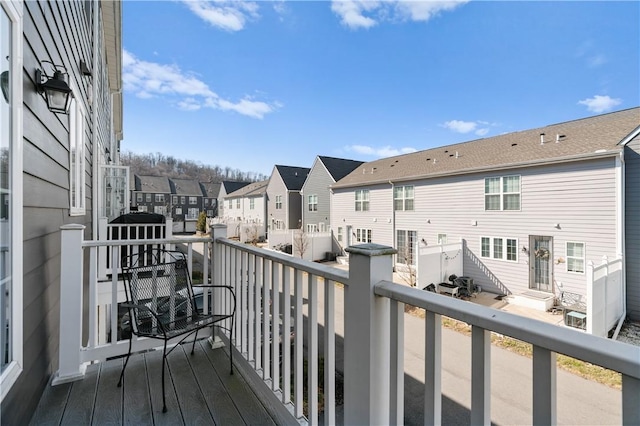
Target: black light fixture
(56, 91)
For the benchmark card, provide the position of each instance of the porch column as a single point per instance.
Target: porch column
(366, 342)
(70, 367)
(217, 294)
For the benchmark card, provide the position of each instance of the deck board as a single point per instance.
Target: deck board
(199, 390)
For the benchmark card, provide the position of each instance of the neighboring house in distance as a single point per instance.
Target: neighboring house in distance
(225, 208)
(210, 191)
(316, 192)
(153, 194)
(186, 199)
(284, 203)
(533, 207)
(250, 205)
(50, 173)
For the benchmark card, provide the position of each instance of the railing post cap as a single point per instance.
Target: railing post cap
(218, 225)
(73, 227)
(371, 250)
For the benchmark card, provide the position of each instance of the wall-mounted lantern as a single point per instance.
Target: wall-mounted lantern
(56, 91)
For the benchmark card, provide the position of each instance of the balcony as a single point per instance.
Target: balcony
(347, 324)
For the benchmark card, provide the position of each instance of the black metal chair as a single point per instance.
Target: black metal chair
(162, 304)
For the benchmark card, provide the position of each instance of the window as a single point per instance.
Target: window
(406, 244)
(183, 200)
(230, 204)
(403, 197)
(252, 203)
(313, 203)
(442, 238)
(237, 203)
(192, 213)
(499, 248)
(575, 257)
(76, 159)
(174, 199)
(210, 213)
(148, 198)
(278, 202)
(206, 202)
(312, 228)
(179, 210)
(193, 200)
(363, 235)
(322, 227)
(160, 210)
(362, 200)
(502, 193)
(159, 198)
(142, 208)
(339, 234)
(11, 207)
(139, 197)
(277, 224)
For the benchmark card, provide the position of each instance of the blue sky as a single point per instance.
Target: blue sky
(251, 84)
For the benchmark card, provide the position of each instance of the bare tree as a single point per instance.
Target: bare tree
(252, 235)
(300, 242)
(405, 265)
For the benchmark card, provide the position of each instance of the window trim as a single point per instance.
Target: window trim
(252, 203)
(367, 233)
(312, 202)
(278, 202)
(403, 199)
(584, 257)
(77, 175)
(502, 193)
(400, 257)
(363, 202)
(10, 375)
(504, 245)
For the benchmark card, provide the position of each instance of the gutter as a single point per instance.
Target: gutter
(393, 217)
(620, 166)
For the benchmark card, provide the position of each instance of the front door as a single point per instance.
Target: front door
(540, 255)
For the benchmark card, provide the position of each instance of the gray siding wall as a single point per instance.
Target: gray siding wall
(275, 188)
(317, 183)
(59, 32)
(580, 197)
(632, 231)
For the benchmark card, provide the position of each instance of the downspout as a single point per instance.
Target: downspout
(94, 124)
(393, 217)
(621, 219)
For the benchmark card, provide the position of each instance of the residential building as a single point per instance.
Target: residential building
(249, 203)
(284, 203)
(534, 208)
(186, 199)
(210, 191)
(316, 193)
(50, 172)
(225, 208)
(152, 194)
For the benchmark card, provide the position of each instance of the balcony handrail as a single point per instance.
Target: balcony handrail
(174, 240)
(610, 354)
(317, 269)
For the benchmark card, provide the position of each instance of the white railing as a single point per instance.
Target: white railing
(102, 324)
(290, 313)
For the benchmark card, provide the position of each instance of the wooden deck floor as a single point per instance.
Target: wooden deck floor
(199, 388)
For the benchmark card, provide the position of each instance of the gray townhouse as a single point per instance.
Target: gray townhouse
(284, 203)
(535, 209)
(210, 191)
(225, 208)
(186, 199)
(152, 194)
(61, 108)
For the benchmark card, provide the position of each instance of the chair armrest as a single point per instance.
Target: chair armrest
(226, 287)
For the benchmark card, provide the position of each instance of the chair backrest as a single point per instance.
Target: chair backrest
(159, 280)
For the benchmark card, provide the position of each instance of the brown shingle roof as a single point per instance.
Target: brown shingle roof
(251, 190)
(588, 137)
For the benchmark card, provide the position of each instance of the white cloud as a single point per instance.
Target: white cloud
(597, 60)
(149, 79)
(385, 151)
(368, 13)
(227, 15)
(479, 128)
(600, 103)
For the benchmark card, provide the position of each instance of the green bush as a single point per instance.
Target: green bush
(201, 225)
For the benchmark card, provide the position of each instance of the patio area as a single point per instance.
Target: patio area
(200, 390)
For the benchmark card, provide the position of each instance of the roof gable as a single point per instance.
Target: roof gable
(293, 177)
(339, 167)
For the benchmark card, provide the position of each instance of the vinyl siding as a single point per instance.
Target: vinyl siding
(59, 32)
(317, 183)
(579, 196)
(632, 225)
(275, 188)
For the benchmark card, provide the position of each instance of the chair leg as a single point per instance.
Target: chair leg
(193, 347)
(231, 343)
(164, 361)
(125, 363)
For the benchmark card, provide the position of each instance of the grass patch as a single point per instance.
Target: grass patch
(581, 368)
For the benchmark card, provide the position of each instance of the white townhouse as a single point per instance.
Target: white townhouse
(533, 208)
